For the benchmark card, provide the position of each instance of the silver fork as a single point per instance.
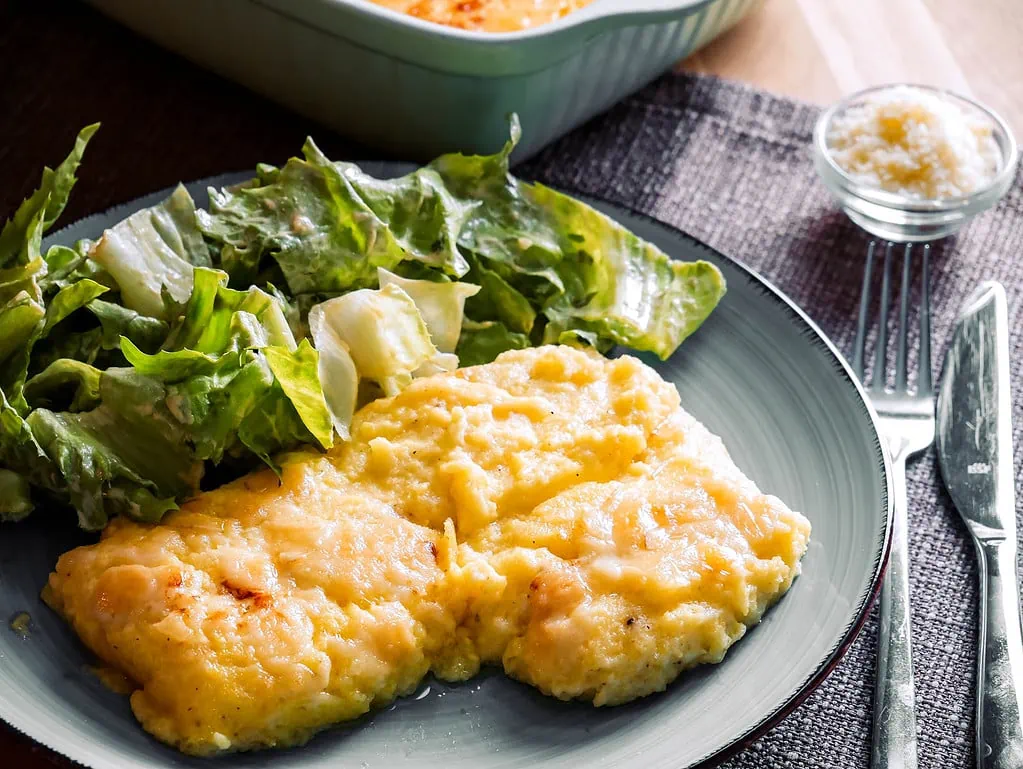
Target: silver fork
(907, 427)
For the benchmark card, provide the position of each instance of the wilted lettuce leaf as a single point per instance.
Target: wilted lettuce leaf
(152, 251)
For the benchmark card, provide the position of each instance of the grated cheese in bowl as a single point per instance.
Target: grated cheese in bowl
(913, 163)
(914, 142)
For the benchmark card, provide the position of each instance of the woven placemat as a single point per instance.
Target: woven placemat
(724, 162)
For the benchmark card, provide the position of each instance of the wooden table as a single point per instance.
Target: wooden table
(819, 50)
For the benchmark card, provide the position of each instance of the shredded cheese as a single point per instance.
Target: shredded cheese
(915, 143)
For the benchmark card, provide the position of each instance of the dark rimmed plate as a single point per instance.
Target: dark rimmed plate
(760, 374)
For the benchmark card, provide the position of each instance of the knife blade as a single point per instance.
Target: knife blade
(974, 412)
(974, 437)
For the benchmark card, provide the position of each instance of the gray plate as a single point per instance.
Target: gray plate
(761, 375)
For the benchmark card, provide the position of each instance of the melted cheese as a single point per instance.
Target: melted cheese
(555, 513)
(487, 15)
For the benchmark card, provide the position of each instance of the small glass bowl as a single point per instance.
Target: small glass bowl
(891, 216)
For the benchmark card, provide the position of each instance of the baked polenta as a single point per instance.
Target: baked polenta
(554, 512)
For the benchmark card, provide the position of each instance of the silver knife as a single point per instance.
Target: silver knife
(975, 453)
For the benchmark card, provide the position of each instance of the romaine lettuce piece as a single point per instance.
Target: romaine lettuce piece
(297, 373)
(20, 321)
(208, 321)
(152, 251)
(482, 342)
(338, 376)
(383, 332)
(50, 387)
(128, 456)
(580, 269)
(329, 226)
(65, 266)
(116, 321)
(15, 496)
(499, 301)
(22, 233)
(310, 220)
(442, 305)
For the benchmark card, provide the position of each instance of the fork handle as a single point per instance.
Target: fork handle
(894, 738)
(1000, 658)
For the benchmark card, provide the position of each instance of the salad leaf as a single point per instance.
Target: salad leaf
(336, 369)
(482, 342)
(499, 301)
(580, 269)
(20, 237)
(20, 321)
(423, 216)
(127, 456)
(320, 232)
(441, 305)
(15, 496)
(20, 278)
(49, 387)
(209, 319)
(65, 266)
(84, 346)
(116, 321)
(329, 225)
(272, 425)
(69, 299)
(629, 292)
(297, 372)
(383, 331)
(152, 251)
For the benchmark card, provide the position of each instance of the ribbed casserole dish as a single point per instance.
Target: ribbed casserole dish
(416, 89)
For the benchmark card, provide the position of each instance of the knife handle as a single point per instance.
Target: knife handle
(894, 738)
(1000, 658)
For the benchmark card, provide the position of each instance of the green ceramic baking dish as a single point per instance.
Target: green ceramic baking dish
(416, 89)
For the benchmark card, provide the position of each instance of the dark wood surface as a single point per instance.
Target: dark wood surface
(62, 66)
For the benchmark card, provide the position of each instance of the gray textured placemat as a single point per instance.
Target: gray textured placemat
(732, 166)
(726, 163)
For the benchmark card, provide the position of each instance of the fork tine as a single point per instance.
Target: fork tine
(923, 385)
(861, 323)
(903, 328)
(880, 380)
